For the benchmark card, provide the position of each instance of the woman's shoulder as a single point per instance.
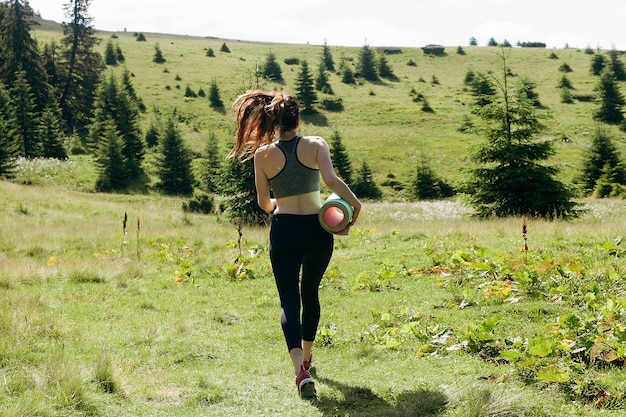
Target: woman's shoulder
(314, 140)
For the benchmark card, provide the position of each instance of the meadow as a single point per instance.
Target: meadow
(124, 305)
(426, 312)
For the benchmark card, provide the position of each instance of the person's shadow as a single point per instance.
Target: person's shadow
(362, 402)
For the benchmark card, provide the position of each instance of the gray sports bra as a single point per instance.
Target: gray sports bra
(295, 178)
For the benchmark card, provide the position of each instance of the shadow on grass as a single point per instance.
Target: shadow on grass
(314, 117)
(362, 401)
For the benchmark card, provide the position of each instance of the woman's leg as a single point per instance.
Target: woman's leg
(314, 266)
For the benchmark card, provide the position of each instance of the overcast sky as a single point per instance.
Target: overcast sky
(576, 23)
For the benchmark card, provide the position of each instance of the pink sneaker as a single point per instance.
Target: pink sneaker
(305, 384)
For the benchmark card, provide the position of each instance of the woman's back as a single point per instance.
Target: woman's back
(272, 160)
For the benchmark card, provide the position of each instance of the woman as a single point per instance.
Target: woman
(290, 167)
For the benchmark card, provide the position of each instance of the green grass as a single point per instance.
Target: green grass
(425, 311)
(94, 322)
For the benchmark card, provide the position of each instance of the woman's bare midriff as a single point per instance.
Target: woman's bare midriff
(309, 203)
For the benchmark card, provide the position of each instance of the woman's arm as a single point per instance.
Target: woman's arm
(333, 182)
(262, 185)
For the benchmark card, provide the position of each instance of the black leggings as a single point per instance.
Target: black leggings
(298, 241)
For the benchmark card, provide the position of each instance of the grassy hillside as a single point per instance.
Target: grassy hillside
(425, 310)
(380, 124)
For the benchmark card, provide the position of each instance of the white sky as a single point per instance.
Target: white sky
(576, 23)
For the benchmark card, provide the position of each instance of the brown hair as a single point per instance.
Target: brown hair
(260, 116)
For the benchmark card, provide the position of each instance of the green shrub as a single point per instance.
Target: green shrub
(200, 203)
(332, 104)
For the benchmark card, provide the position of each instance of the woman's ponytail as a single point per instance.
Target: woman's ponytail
(260, 116)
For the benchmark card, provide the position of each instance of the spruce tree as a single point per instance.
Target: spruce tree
(119, 54)
(384, 68)
(114, 104)
(482, 89)
(426, 185)
(158, 55)
(174, 162)
(214, 96)
(616, 65)
(50, 62)
(602, 158)
(9, 146)
(128, 123)
(508, 178)
(598, 64)
(367, 67)
(340, 159)
(347, 75)
(110, 56)
(237, 185)
(110, 160)
(271, 69)
(80, 65)
(526, 88)
(610, 99)
(327, 58)
(51, 135)
(364, 185)
(213, 164)
(20, 52)
(131, 93)
(321, 80)
(26, 117)
(305, 92)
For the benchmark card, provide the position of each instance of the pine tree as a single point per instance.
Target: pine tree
(51, 135)
(131, 93)
(214, 96)
(50, 62)
(508, 178)
(616, 65)
(237, 185)
(304, 88)
(20, 52)
(610, 99)
(482, 89)
(128, 123)
(114, 104)
(365, 186)
(158, 55)
(347, 75)
(119, 54)
(271, 68)
(26, 117)
(110, 57)
(321, 80)
(527, 89)
(110, 160)
(384, 68)
(367, 68)
(327, 58)
(174, 162)
(9, 147)
(602, 158)
(426, 185)
(80, 65)
(598, 64)
(339, 156)
(213, 164)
